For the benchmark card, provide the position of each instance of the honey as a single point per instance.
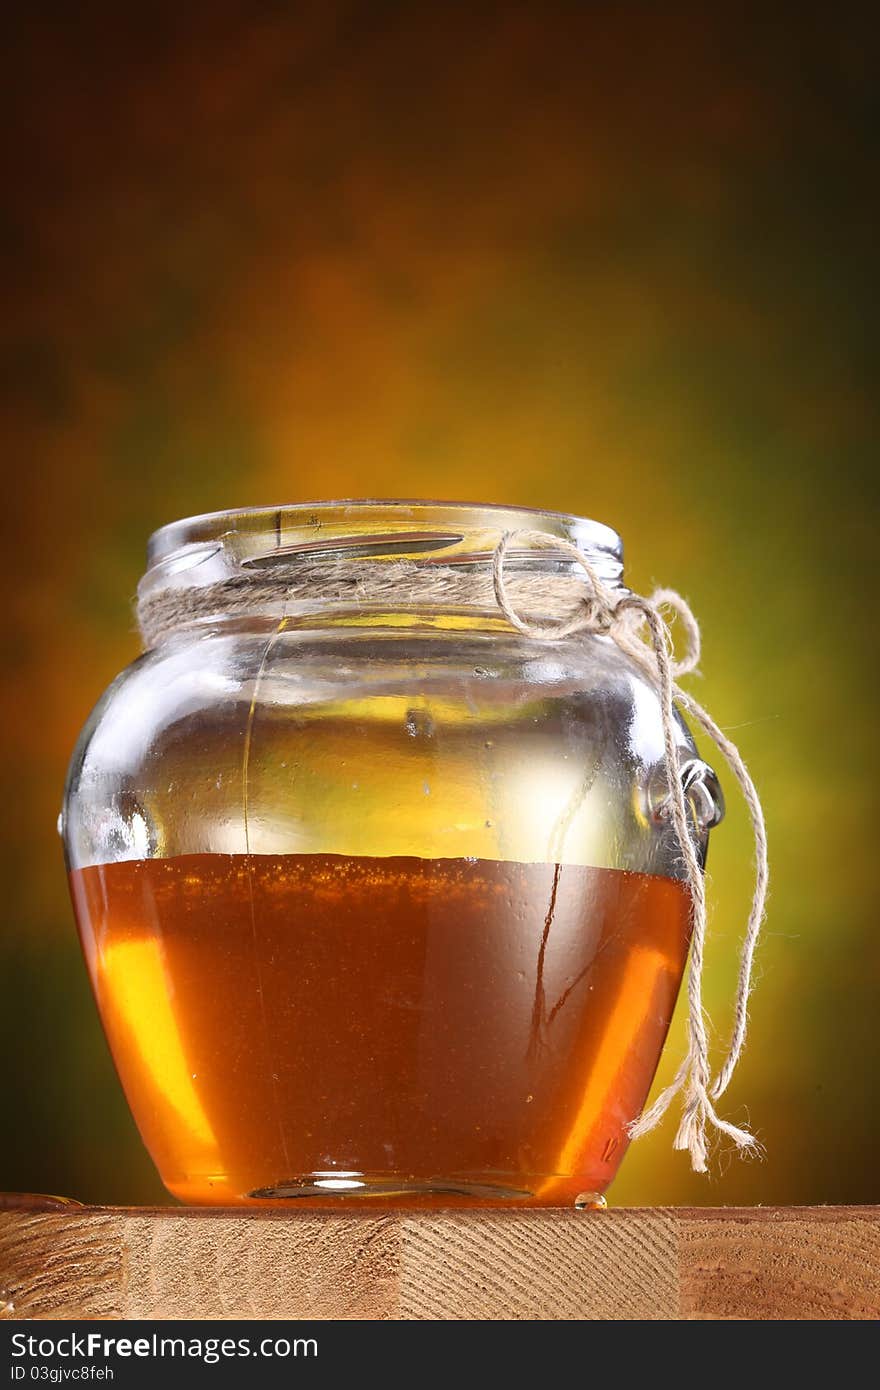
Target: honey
(325, 1029)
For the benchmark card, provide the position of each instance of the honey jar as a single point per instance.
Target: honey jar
(379, 897)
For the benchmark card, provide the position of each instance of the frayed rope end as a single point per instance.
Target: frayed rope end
(691, 1134)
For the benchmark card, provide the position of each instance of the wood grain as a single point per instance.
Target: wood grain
(821, 1264)
(721, 1263)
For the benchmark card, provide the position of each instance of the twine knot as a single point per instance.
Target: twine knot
(639, 628)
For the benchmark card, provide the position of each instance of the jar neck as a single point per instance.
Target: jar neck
(365, 560)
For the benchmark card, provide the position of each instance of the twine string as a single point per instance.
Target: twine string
(624, 617)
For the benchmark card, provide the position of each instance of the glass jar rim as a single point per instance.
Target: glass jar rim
(332, 558)
(456, 532)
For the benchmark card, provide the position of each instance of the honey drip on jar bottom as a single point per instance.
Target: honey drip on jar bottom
(321, 1029)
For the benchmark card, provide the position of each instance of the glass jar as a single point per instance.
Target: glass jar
(381, 901)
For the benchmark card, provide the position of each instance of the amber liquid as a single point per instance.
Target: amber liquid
(397, 1030)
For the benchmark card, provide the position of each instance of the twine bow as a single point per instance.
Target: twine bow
(624, 617)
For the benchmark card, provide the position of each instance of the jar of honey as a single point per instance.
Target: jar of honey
(380, 898)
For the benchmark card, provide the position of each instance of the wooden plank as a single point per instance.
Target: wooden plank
(61, 1266)
(814, 1263)
(719, 1263)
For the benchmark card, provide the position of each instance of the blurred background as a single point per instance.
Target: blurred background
(610, 259)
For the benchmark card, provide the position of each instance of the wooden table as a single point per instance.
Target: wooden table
(754, 1262)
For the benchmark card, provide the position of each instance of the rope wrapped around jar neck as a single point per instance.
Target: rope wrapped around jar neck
(638, 626)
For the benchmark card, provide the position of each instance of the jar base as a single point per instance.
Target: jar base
(363, 1188)
(350, 1189)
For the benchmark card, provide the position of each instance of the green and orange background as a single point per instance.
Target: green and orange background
(605, 258)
